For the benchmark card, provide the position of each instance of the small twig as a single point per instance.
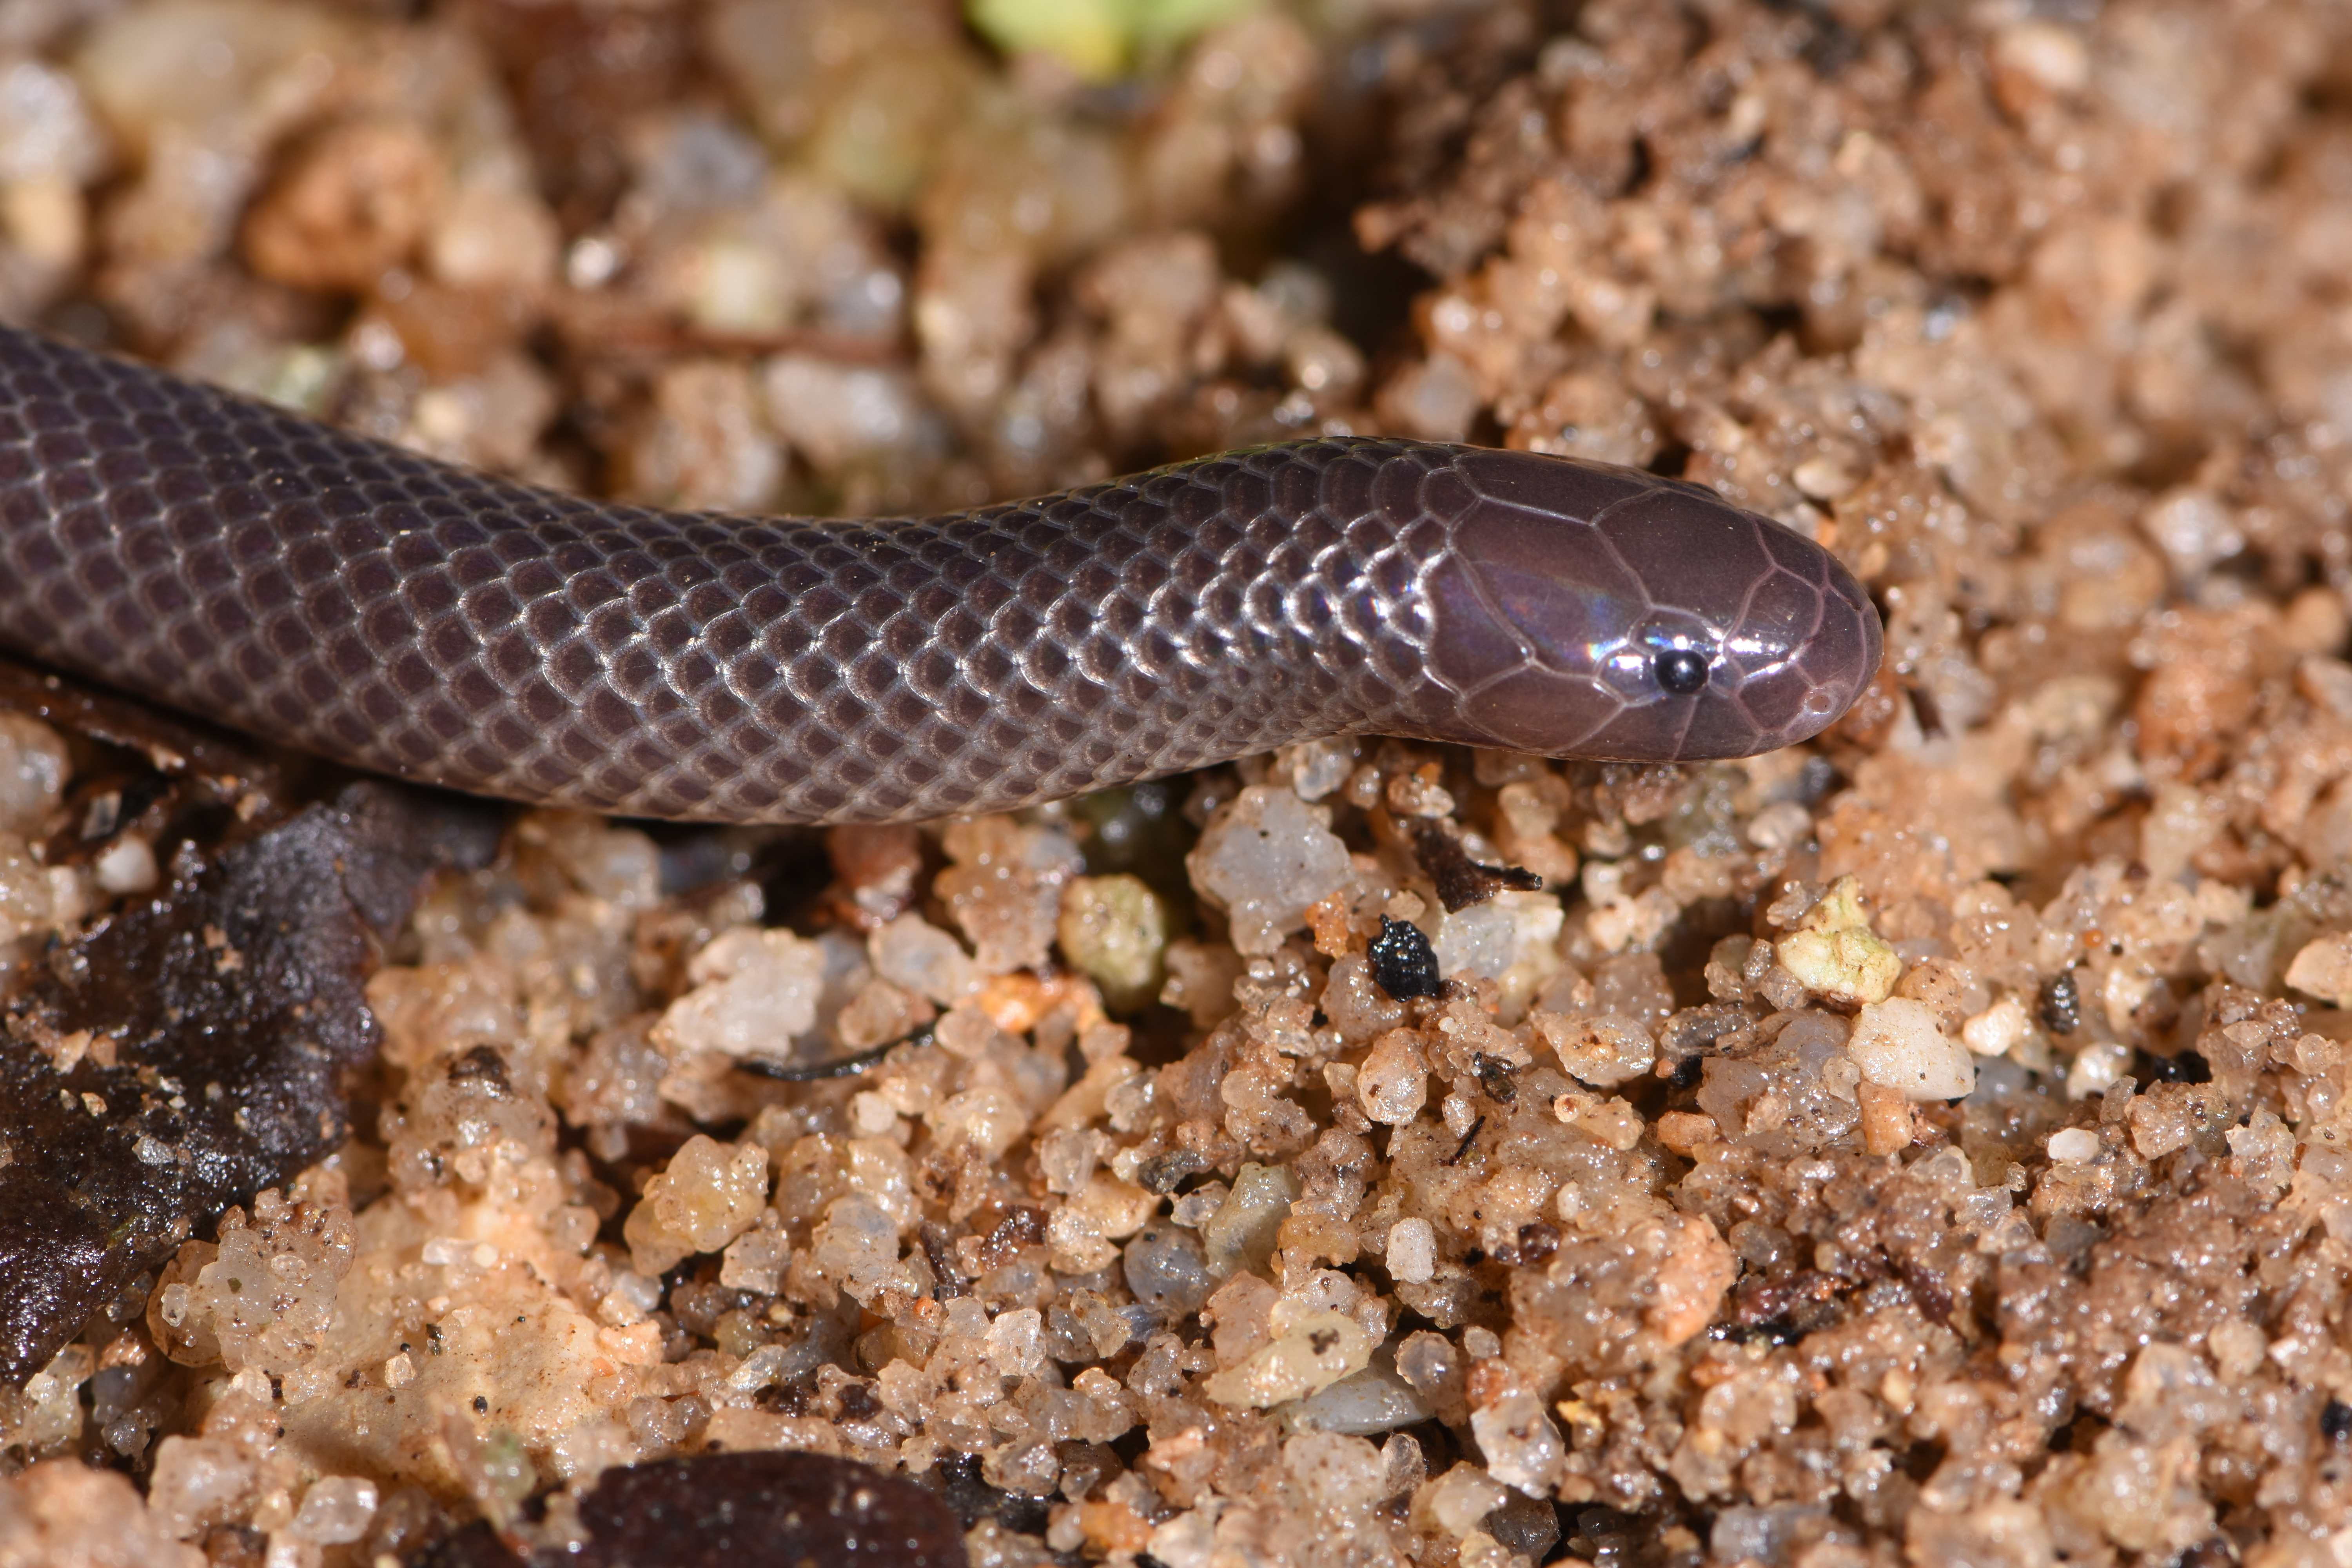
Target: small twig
(939, 1251)
(1495, 1077)
(840, 1066)
(1468, 1139)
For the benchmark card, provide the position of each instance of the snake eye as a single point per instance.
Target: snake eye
(1681, 671)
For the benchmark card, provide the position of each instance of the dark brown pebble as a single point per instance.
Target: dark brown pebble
(739, 1511)
(230, 1008)
(1403, 963)
(1460, 881)
(2062, 1004)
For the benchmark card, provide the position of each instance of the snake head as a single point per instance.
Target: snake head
(1586, 610)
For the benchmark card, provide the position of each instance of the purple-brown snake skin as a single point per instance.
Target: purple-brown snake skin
(400, 615)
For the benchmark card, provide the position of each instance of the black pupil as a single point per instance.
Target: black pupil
(1680, 670)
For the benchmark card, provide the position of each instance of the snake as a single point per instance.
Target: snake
(342, 596)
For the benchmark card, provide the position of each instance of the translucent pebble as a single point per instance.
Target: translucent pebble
(1373, 1400)
(1337, 1471)
(641, 1293)
(1434, 1367)
(1523, 1448)
(1899, 1045)
(1798, 1093)
(1456, 1501)
(2327, 682)
(878, 1013)
(1117, 1208)
(46, 132)
(1196, 1208)
(878, 130)
(593, 1446)
(1266, 858)
(1069, 1155)
(1779, 826)
(754, 990)
(271, 1291)
(1412, 1251)
(870, 1115)
(1836, 955)
(458, 1252)
(1310, 1350)
(199, 1482)
(2096, 1067)
(2193, 528)
(870, 301)
(1114, 930)
(1602, 1052)
(1241, 1234)
(2173, 1116)
(618, 865)
(1016, 1341)
(495, 232)
(1513, 937)
(335, 1511)
(1419, 794)
(52, 1411)
(1141, 1322)
(2237, 1347)
(1479, 940)
(1316, 768)
(136, 64)
(34, 767)
(1323, 362)
(1186, 1540)
(490, 419)
(2182, 820)
(987, 1119)
(48, 228)
(26, 890)
(1359, 1009)
(755, 1261)
(840, 416)
(1004, 886)
(346, 205)
(1079, 1244)
(617, 1082)
(1760, 1534)
(857, 1243)
(2049, 53)
(738, 286)
(1999, 1028)
(1435, 400)
(707, 442)
(591, 262)
(912, 953)
(2323, 968)
(711, 1193)
(1165, 1272)
(695, 161)
(1201, 978)
(1392, 1083)
(62, 1514)
(2074, 1146)
(126, 865)
(966, 1031)
(760, 1368)
(1997, 1078)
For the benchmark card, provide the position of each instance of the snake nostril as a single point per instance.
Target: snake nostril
(1681, 671)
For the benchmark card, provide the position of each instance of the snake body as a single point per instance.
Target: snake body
(326, 591)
